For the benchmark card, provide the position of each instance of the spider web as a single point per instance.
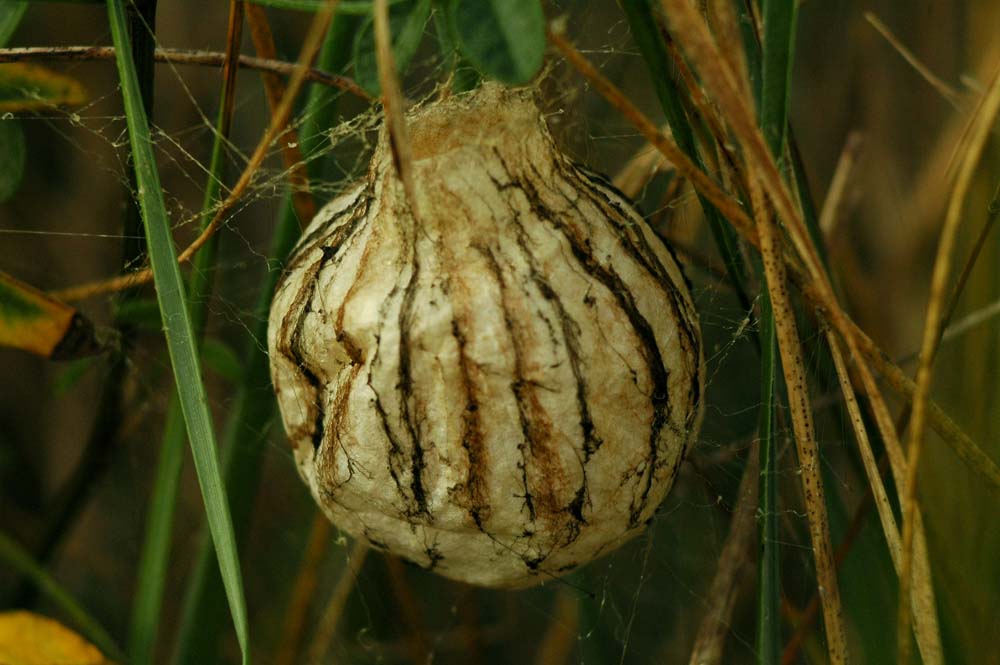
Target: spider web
(643, 603)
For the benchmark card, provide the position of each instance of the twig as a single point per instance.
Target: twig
(181, 57)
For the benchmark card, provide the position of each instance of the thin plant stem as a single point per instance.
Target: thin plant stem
(182, 57)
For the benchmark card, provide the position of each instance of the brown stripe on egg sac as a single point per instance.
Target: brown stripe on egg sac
(502, 391)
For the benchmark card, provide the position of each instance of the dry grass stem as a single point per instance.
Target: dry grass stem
(326, 630)
(935, 82)
(279, 121)
(861, 347)
(834, 207)
(806, 446)
(176, 56)
(393, 104)
(737, 552)
(274, 88)
(980, 124)
(923, 606)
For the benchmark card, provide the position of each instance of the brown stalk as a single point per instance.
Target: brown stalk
(274, 88)
(981, 124)
(326, 630)
(803, 427)
(736, 553)
(859, 344)
(180, 57)
(306, 581)
(279, 120)
(392, 103)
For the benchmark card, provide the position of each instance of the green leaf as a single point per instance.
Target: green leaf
(503, 39)
(10, 16)
(465, 75)
(406, 22)
(779, 48)
(12, 157)
(177, 327)
(25, 87)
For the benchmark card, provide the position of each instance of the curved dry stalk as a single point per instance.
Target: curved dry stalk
(279, 120)
(980, 124)
(806, 446)
(177, 56)
(933, 79)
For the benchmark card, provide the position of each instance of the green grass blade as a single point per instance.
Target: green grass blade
(153, 562)
(779, 50)
(769, 581)
(19, 559)
(177, 326)
(252, 409)
(644, 25)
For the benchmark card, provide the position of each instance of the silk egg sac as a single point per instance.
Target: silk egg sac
(501, 387)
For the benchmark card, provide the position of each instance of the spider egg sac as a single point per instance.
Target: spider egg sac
(501, 389)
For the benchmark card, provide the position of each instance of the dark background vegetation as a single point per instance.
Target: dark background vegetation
(642, 604)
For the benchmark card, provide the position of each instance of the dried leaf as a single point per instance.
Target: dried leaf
(25, 87)
(32, 321)
(31, 639)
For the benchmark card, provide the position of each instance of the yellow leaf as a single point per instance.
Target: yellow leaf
(25, 87)
(35, 322)
(31, 639)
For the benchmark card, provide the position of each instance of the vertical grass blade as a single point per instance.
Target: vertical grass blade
(769, 580)
(154, 560)
(177, 326)
(779, 48)
(17, 558)
(644, 26)
(253, 406)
